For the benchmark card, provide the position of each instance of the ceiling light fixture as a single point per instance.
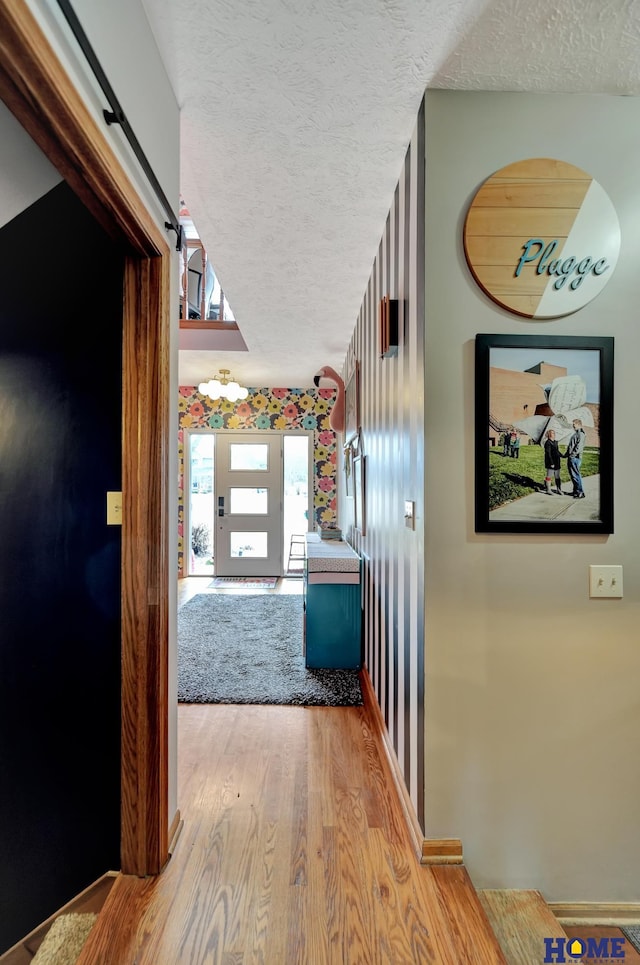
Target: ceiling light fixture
(223, 387)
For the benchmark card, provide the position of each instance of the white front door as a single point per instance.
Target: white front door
(248, 504)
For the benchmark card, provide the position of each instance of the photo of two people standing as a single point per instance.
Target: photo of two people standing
(573, 455)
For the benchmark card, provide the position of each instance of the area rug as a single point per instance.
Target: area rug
(239, 649)
(244, 582)
(632, 934)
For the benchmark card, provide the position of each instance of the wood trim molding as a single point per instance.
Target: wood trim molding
(145, 620)
(37, 90)
(207, 325)
(175, 831)
(429, 850)
(596, 912)
(442, 851)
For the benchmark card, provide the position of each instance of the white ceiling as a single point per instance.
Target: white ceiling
(295, 118)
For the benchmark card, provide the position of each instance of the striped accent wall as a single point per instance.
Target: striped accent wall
(392, 441)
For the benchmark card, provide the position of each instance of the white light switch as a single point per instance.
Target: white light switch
(605, 581)
(409, 513)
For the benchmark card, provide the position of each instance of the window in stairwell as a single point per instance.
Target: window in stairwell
(201, 295)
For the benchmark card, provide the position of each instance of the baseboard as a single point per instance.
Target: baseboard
(428, 850)
(90, 900)
(596, 912)
(442, 851)
(175, 831)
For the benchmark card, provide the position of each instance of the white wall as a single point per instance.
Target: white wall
(122, 40)
(532, 689)
(25, 173)
(123, 43)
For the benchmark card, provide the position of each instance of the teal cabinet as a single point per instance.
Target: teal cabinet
(332, 605)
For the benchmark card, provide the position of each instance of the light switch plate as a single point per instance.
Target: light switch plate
(409, 513)
(114, 509)
(605, 581)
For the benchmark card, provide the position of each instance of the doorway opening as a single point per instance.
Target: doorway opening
(297, 463)
(249, 501)
(41, 95)
(199, 483)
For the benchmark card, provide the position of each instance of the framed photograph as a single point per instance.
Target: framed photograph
(352, 404)
(388, 327)
(544, 434)
(360, 493)
(348, 471)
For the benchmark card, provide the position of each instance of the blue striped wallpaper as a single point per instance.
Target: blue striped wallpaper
(392, 441)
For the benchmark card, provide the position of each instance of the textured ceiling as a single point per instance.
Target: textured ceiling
(295, 118)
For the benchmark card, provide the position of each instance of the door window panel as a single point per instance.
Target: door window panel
(248, 457)
(248, 501)
(252, 545)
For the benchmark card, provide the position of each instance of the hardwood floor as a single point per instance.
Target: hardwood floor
(521, 920)
(293, 850)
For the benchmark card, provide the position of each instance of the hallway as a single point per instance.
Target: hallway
(293, 850)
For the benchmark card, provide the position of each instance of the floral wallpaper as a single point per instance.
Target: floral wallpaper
(282, 409)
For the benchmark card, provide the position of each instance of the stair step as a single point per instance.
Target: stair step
(521, 921)
(458, 900)
(88, 901)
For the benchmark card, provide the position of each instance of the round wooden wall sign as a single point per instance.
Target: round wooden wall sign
(541, 238)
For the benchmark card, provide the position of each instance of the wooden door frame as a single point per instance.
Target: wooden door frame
(37, 90)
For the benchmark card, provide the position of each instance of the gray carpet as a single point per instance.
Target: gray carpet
(241, 649)
(632, 933)
(65, 939)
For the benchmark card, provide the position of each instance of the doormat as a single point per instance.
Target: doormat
(632, 934)
(245, 582)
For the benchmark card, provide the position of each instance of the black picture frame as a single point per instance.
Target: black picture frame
(348, 471)
(526, 385)
(360, 493)
(352, 404)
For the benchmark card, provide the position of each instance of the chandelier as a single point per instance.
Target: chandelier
(223, 387)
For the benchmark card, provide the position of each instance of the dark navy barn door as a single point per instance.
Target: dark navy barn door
(61, 283)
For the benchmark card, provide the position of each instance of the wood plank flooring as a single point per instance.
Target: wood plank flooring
(522, 920)
(293, 850)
